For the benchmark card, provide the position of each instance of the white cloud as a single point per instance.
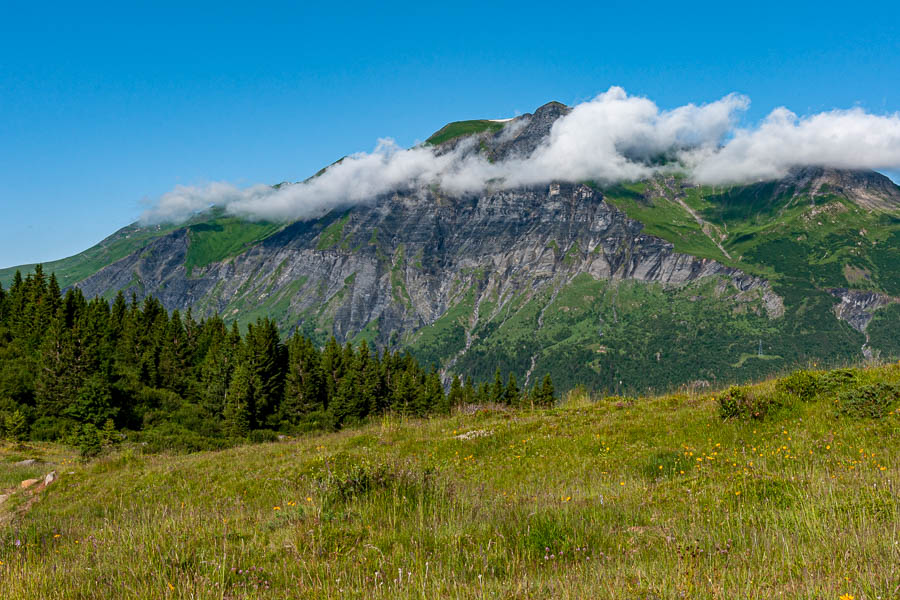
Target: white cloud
(846, 139)
(613, 137)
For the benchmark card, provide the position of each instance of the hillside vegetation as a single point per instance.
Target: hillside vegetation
(783, 489)
(457, 129)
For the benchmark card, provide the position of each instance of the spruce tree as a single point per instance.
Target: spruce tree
(238, 403)
(545, 395)
(304, 384)
(512, 393)
(456, 397)
(498, 391)
(15, 426)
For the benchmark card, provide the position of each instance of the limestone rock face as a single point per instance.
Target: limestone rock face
(870, 190)
(856, 307)
(407, 258)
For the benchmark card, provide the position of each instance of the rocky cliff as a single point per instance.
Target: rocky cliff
(642, 284)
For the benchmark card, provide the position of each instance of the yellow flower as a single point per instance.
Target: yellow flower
(308, 499)
(621, 483)
(171, 587)
(276, 508)
(846, 597)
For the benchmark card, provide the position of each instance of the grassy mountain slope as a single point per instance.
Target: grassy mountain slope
(75, 268)
(457, 129)
(214, 235)
(614, 497)
(631, 337)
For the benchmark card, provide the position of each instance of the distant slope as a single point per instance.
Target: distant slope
(640, 285)
(462, 128)
(214, 236)
(75, 268)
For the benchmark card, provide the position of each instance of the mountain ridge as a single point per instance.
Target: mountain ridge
(459, 279)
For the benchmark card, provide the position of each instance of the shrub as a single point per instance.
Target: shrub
(344, 478)
(745, 403)
(50, 429)
(838, 379)
(259, 436)
(88, 440)
(15, 426)
(872, 400)
(803, 384)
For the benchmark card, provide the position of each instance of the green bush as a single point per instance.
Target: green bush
(259, 436)
(344, 478)
(873, 400)
(803, 384)
(742, 402)
(839, 379)
(88, 440)
(49, 429)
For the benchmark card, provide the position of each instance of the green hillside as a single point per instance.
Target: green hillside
(630, 336)
(598, 498)
(214, 236)
(786, 235)
(75, 268)
(460, 128)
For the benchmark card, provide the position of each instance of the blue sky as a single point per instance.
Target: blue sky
(103, 106)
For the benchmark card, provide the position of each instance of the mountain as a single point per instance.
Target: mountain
(648, 284)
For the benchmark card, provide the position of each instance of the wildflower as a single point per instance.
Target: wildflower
(276, 508)
(621, 483)
(846, 597)
(171, 587)
(308, 499)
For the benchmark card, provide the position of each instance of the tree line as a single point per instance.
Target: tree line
(86, 370)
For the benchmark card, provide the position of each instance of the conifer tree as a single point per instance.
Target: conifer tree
(456, 397)
(498, 391)
(304, 383)
(15, 426)
(265, 357)
(469, 391)
(238, 403)
(512, 393)
(544, 395)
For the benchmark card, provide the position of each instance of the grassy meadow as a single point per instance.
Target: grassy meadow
(597, 498)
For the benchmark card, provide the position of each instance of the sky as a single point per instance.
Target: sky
(106, 108)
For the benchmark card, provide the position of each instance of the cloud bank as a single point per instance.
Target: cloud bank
(614, 137)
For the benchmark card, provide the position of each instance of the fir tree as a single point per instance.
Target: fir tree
(238, 403)
(512, 395)
(498, 391)
(544, 395)
(457, 395)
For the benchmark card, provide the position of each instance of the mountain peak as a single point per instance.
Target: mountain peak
(869, 189)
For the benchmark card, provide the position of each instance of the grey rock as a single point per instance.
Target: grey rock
(408, 257)
(856, 307)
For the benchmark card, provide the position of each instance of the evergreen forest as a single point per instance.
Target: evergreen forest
(94, 372)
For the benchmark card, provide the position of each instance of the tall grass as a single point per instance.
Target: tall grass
(596, 498)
